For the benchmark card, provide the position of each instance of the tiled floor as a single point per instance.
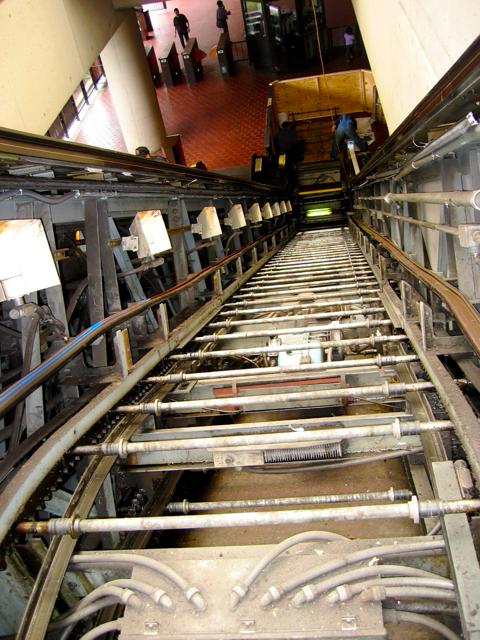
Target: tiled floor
(220, 120)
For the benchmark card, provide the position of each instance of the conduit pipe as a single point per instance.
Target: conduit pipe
(310, 592)
(462, 133)
(368, 323)
(385, 390)
(376, 361)
(187, 507)
(396, 429)
(101, 630)
(374, 594)
(371, 341)
(239, 591)
(397, 617)
(346, 592)
(413, 509)
(276, 592)
(106, 558)
(447, 198)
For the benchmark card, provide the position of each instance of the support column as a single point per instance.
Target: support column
(131, 87)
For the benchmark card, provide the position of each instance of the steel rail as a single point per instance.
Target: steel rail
(26, 385)
(467, 317)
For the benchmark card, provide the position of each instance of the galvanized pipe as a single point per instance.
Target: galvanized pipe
(295, 318)
(385, 390)
(413, 509)
(238, 374)
(295, 307)
(448, 198)
(287, 265)
(314, 344)
(463, 133)
(368, 323)
(396, 429)
(187, 507)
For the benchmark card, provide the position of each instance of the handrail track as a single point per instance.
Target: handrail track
(467, 317)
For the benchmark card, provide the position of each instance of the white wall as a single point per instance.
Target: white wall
(46, 48)
(411, 44)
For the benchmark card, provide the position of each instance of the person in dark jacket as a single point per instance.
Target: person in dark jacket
(222, 16)
(180, 22)
(345, 130)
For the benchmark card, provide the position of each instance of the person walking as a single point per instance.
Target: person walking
(180, 22)
(222, 16)
(349, 38)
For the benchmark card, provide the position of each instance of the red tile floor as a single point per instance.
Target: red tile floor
(220, 120)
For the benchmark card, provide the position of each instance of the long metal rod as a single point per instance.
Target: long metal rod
(295, 307)
(313, 296)
(448, 198)
(294, 318)
(371, 341)
(187, 507)
(338, 287)
(326, 285)
(368, 323)
(385, 390)
(298, 284)
(238, 374)
(444, 228)
(413, 509)
(395, 428)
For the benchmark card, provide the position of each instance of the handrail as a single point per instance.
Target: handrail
(467, 317)
(17, 145)
(19, 390)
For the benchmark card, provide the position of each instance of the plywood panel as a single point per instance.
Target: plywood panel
(347, 92)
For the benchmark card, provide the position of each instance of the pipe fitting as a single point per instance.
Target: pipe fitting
(161, 598)
(194, 596)
(239, 591)
(272, 595)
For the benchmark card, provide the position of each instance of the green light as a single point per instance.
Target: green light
(317, 212)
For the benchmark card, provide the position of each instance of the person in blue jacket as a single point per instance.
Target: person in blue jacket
(345, 130)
